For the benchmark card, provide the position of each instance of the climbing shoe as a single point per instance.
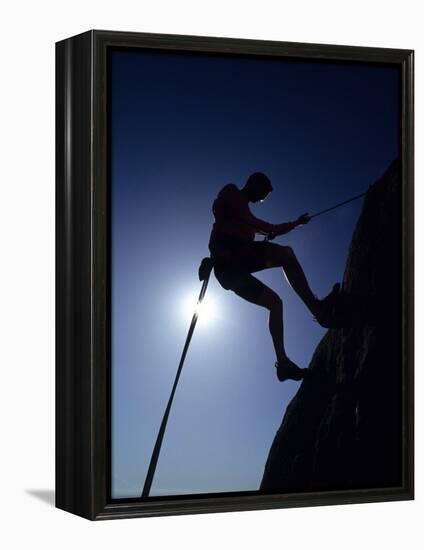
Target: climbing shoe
(289, 371)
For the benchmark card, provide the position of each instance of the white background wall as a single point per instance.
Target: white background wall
(28, 32)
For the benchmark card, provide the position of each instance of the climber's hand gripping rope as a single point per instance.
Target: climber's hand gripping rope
(303, 219)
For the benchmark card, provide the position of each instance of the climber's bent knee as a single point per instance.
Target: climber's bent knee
(270, 300)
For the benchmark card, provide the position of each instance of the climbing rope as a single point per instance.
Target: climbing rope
(338, 205)
(156, 450)
(268, 237)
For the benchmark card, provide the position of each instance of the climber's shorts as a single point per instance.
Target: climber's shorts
(236, 273)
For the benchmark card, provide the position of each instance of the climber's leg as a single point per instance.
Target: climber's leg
(261, 255)
(285, 257)
(256, 292)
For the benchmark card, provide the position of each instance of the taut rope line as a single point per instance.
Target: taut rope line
(338, 205)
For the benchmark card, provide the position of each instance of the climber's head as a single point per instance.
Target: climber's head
(257, 187)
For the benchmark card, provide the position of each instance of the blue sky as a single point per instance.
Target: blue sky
(182, 126)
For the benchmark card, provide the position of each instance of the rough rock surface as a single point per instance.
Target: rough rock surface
(342, 430)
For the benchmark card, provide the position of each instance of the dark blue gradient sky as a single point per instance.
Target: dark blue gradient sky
(182, 126)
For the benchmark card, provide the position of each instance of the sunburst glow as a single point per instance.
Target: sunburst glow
(206, 310)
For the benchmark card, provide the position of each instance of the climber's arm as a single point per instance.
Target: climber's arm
(264, 228)
(284, 228)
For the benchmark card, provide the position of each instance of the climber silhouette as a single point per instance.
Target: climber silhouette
(236, 255)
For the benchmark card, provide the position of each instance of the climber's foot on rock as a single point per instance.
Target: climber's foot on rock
(287, 370)
(326, 314)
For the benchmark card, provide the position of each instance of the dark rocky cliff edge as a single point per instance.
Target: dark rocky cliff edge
(342, 430)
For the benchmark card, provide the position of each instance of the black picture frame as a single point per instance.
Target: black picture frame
(82, 274)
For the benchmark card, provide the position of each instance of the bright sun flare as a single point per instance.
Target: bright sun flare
(206, 311)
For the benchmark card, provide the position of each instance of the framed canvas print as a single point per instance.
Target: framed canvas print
(234, 274)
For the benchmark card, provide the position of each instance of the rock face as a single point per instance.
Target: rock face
(342, 430)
